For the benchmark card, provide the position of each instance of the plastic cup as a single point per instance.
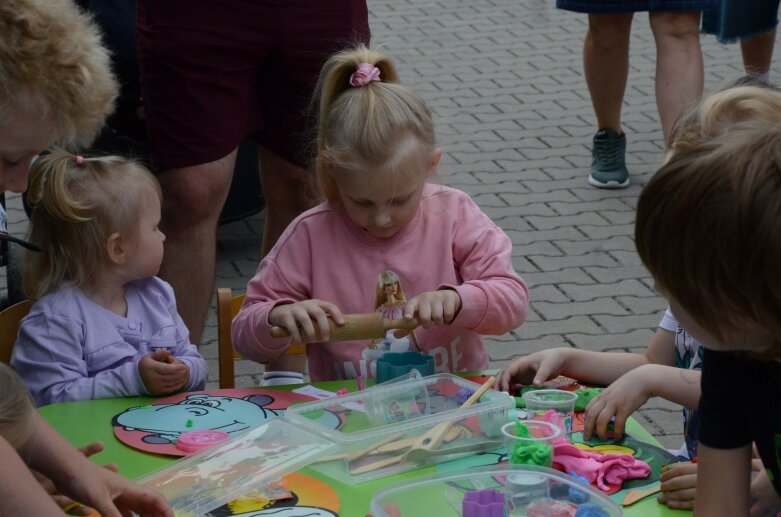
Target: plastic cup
(554, 406)
(530, 442)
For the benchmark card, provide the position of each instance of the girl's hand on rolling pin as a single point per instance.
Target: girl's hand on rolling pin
(433, 307)
(306, 320)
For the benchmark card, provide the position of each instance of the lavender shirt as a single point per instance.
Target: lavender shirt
(70, 348)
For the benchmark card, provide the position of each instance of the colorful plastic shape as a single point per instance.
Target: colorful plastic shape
(396, 364)
(194, 441)
(483, 503)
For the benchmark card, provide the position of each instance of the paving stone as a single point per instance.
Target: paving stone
(535, 329)
(626, 323)
(606, 341)
(589, 292)
(611, 274)
(617, 243)
(554, 311)
(651, 305)
(564, 276)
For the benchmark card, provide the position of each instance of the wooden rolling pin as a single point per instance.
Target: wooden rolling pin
(358, 326)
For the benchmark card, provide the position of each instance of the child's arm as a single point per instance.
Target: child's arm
(585, 365)
(633, 389)
(494, 299)
(185, 351)
(723, 481)
(306, 320)
(20, 492)
(764, 498)
(267, 290)
(81, 479)
(49, 356)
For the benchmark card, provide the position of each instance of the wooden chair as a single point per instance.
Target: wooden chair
(227, 308)
(9, 327)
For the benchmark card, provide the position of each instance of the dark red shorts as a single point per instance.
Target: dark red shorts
(214, 72)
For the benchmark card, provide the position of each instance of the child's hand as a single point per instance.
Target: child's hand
(112, 495)
(679, 485)
(162, 373)
(764, 498)
(306, 320)
(63, 501)
(433, 307)
(619, 400)
(534, 369)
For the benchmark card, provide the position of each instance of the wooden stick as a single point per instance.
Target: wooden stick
(390, 444)
(356, 326)
(634, 496)
(361, 452)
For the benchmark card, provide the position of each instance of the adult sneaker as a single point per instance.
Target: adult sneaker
(608, 164)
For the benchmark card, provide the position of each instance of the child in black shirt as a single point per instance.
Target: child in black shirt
(709, 230)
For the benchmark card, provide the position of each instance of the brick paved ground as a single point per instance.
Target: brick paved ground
(504, 78)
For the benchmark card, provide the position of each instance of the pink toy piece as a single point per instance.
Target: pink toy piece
(342, 391)
(195, 441)
(600, 468)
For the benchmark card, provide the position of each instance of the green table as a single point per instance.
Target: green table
(89, 421)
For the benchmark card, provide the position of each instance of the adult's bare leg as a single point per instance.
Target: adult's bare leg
(192, 201)
(606, 65)
(758, 53)
(288, 190)
(679, 74)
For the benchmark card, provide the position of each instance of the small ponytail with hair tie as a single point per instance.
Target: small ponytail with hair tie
(365, 74)
(79, 160)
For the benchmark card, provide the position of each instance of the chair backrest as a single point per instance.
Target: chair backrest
(227, 308)
(9, 327)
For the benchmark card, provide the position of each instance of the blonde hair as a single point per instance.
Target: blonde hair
(365, 125)
(52, 64)
(76, 207)
(387, 277)
(715, 114)
(16, 407)
(708, 228)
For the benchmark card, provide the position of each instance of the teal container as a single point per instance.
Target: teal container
(396, 364)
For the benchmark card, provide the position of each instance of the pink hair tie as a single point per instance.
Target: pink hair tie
(366, 73)
(79, 160)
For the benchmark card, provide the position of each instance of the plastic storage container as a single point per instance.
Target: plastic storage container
(528, 491)
(207, 480)
(384, 429)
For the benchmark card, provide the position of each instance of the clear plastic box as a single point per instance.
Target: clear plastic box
(523, 490)
(384, 428)
(207, 480)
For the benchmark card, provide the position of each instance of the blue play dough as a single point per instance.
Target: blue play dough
(591, 510)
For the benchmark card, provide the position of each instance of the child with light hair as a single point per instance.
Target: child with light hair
(27, 441)
(56, 84)
(376, 150)
(671, 365)
(103, 325)
(707, 230)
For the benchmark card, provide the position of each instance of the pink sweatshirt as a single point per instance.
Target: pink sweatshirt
(450, 243)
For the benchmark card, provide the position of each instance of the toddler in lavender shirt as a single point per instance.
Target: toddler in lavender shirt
(103, 325)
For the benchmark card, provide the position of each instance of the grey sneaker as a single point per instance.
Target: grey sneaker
(608, 167)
